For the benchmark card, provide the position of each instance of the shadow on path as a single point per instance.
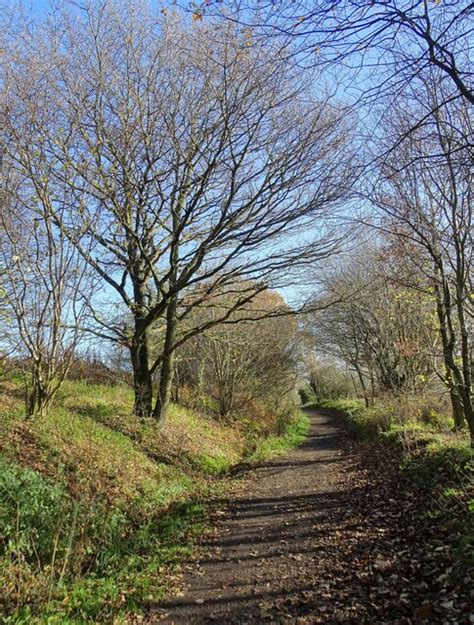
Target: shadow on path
(259, 562)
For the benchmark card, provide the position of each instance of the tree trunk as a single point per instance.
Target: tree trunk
(226, 399)
(469, 416)
(36, 400)
(142, 379)
(177, 382)
(372, 386)
(458, 414)
(39, 397)
(362, 383)
(470, 423)
(453, 375)
(201, 378)
(167, 367)
(466, 390)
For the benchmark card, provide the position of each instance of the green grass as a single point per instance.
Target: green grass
(343, 405)
(98, 508)
(294, 434)
(214, 465)
(133, 575)
(426, 440)
(353, 411)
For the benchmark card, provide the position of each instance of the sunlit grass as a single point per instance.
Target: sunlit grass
(132, 491)
(294, 435)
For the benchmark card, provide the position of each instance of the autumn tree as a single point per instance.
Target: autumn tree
(249, 357)
(379, 327)
(327, 378)
(424, 195)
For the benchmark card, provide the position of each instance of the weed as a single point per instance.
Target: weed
(98, 506)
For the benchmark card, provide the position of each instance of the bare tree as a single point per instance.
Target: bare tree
(397, 40)
(371, 51)
(43, 278)
(252, 356)
(190, 157)
(381, 328)
(425, 190)
(327, 378)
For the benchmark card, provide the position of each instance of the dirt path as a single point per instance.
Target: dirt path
(329, 534)
(261, 560)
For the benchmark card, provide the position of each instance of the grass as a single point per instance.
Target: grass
(294, 434)
(431, 450)
(98, 509)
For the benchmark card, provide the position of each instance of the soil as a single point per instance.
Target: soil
(329, 533)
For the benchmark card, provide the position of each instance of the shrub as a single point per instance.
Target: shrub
(403, 414)
(95, 372)
(307, 395)
(329, 382)
(446, 461)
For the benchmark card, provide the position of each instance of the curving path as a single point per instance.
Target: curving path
(329, 534)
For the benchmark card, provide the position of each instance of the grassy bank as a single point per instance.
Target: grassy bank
(291, 435)
(439, 460)
(430, 448)
(98, 509)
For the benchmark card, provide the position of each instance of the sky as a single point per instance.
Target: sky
(38, 6)
(34, 5)
(294, 293)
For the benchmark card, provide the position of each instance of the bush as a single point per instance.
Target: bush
(307, 395)
(95, 372)
(293, 434)
(395, 417)
(445, 461)
(329, 382)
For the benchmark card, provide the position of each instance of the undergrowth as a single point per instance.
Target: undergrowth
(293, 435)
(98, 509)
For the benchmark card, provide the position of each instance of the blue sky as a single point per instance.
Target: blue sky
(38, 5)
(293, 293)
(35, 6)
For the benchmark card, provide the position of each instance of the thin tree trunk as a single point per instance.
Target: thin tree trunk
(466, 390)
(177, 383)
(453, 377)
(363, 385)
(458, 413)
(39, 398)
(372, 386)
